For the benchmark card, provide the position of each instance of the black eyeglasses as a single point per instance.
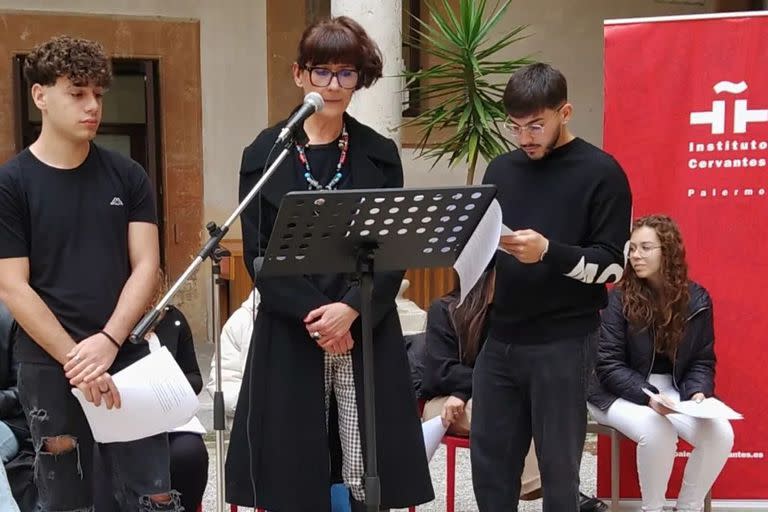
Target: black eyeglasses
(322, 77)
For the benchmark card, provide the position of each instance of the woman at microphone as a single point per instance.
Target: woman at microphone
(288, 439)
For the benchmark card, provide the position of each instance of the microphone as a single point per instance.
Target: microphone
(313, 102)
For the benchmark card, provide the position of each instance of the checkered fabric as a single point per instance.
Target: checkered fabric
(340, 377)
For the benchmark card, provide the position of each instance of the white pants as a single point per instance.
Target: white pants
(656, 438)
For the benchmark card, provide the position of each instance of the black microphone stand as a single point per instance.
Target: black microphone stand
(211, 249)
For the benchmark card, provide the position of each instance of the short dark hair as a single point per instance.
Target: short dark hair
(341, 40)
(84, 62)
(534, 88)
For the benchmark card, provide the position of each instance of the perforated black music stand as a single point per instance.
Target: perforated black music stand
(356, 231)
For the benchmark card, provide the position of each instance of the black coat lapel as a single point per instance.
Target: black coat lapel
(282, 181)
(369, 152)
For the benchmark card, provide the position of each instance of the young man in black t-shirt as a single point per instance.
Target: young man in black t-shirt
(568, 204)
(79, 257)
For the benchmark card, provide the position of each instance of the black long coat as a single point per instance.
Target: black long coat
(279, 449)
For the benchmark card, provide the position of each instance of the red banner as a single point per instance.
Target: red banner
(686, 115)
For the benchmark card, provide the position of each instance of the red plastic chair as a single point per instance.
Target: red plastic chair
(451, 443)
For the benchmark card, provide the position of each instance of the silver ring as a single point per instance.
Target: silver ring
(316, 335)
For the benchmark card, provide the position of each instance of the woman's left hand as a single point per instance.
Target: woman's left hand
(330, 321)
(337, 345)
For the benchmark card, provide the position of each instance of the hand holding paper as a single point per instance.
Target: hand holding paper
(156, 397)
(660, 403)
(709, 408)
(527, 245)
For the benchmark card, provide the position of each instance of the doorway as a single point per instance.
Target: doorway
(129, 124)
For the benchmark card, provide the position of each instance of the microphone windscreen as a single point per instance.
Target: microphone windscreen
(314, 99)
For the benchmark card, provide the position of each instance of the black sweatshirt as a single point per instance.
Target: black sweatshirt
(578, 197)
(445, 371)
(174, 332)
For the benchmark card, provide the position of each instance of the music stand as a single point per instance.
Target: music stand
(359, 231)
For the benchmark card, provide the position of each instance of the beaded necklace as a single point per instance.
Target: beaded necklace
(313, 183)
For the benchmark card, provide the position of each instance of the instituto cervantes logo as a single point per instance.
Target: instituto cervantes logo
(742, 115)
(729, 144)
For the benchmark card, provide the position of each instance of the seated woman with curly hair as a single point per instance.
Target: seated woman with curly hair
(657, 333)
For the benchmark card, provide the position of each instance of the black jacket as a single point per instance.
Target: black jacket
(10, 407)
(174, 333)
(445, 372)
(279, 449)
(625, 356)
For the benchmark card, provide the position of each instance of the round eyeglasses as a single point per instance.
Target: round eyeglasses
(534, 129)
(642, 250)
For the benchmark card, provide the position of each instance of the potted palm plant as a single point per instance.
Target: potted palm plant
(462, 92)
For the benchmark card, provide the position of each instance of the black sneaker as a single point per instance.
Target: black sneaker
(591, 504)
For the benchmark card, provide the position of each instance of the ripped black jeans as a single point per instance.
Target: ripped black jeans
(139, 469)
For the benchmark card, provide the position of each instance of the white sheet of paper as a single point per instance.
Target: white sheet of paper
(156, 397)
(433, 431)
(709, 408)
(505, 231)
(479, 250)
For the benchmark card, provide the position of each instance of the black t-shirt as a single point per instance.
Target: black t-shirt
(72, 225)
(662, 364)
(323, 160)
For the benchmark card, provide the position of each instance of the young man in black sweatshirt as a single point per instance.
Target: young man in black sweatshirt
(568, 204)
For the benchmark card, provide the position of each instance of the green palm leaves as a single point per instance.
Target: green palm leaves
(463, 92)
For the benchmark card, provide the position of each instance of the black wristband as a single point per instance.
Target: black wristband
(110, 338)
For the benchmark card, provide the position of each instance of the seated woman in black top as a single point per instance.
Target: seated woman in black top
(455, 336)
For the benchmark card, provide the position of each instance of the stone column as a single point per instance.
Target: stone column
(380, 106)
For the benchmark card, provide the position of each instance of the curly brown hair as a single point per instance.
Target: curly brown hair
(84, 62)
(341, 40)
(663, 311)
